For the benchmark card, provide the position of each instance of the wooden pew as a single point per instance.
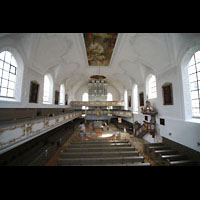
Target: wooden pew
(99, 161)
(181, 163)
(164, 159)
(98, 154)
(146, 146)
(157, 153)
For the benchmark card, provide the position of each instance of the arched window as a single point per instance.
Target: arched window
(62, 94)
(135, 98)
(194, 80)
(109, 97)
(126, 100)
(85, 98)
(151, 86)
(48, 89)
(8, 75)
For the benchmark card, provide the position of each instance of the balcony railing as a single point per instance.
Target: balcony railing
(14, 134)
(96, 103)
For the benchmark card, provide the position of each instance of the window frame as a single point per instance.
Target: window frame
(50, 95)
(135, 94)
(196, 73)
(149, 87)
(62, 92)
(84, 100)
(19, 74)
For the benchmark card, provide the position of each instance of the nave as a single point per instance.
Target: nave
(64, 146)
(122, 149)
(102, 149)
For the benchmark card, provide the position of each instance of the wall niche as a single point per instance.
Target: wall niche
(33, 94)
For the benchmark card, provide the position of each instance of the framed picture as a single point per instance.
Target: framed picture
(162, 121)
(66, 99)
(57, 93)
(119, 120)
(33, 94)
(129, 101)
(141, 97)
(167, 94)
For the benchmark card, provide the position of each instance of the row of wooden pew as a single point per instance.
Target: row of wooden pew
(166, 156)
(101, 153)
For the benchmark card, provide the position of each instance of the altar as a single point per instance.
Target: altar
(98, 127)
(104, 135)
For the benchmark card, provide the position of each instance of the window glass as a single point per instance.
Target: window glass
(62, 94)
(197, 57)
(13, 61)
(192, 69)
(7, 74)
(48, 84)
(85, 98)
(135, 95)
(109, 97)
(198, 67)
(152, 87)
(194, 79)
(8, 57)
(2, 54)
(1, 64)
(192, 61)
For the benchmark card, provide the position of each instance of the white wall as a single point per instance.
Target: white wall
(31, 75)
(183, 132)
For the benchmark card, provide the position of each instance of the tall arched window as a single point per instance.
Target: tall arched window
(135, 98)
(62, 94)
(194, 80)
(48, 89)
(151, 86)
(109, 97)
(85, 98)
(8, 74)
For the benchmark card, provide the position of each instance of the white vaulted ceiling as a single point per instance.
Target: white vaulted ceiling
(64, 55)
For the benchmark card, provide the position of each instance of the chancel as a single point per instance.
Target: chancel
(99, 99)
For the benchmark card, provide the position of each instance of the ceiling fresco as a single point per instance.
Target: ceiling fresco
(99, 47)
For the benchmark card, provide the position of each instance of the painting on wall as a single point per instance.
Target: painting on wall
(141, 95)
(66, 99)
(99, 47)
(33, 94)
(129, 101)
(57, 93)
(167, 94)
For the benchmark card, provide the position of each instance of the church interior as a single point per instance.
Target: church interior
(100, 99)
